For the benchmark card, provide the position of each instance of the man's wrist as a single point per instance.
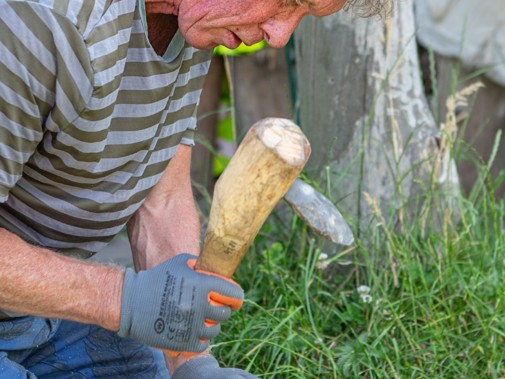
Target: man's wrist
(109, 304)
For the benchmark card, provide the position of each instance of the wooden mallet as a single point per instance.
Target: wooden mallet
(265, 165)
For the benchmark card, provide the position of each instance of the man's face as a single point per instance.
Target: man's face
(208, 23)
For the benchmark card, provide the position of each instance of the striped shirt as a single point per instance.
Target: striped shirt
(89, 117)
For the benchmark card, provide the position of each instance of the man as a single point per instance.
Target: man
(97, 105)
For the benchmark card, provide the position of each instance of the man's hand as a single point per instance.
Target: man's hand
(208, 368)
(174, 307)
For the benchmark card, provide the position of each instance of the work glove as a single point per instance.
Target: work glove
(208, 368)
(174, 307)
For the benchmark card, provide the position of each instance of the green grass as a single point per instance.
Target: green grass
(437, 308)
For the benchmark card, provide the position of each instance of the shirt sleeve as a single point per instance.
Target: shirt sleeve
(34, 62)
(188, 137)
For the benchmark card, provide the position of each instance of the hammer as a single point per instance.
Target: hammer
(263, 170)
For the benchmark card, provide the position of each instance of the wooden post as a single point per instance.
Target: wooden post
(363, 108)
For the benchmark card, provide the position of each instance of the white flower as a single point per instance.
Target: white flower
(322, 261)
(363, 290)
(366, 299)
(364, 294)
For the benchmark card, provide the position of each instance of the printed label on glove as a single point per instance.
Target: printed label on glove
(172, 320)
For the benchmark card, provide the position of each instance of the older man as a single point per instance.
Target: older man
(97, 113)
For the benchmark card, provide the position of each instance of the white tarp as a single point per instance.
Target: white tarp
(471, 30)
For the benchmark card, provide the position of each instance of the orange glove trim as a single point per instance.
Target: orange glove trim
(215, 298)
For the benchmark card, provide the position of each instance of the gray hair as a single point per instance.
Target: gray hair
(367, 8)
(362, 8)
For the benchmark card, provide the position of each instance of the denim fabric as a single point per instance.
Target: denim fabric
(38, 348)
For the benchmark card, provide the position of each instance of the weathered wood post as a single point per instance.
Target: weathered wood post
(363, 108)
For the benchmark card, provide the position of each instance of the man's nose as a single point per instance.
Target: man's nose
(278, 32)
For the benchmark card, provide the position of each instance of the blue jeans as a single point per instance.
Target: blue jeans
(39, 348)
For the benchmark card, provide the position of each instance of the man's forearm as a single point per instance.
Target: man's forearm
(160, 233)
(39, 282)
(167, 223)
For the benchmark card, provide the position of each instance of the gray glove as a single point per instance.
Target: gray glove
(168, 306)
(208, 368)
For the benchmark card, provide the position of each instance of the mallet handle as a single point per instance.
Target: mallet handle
(266, 163)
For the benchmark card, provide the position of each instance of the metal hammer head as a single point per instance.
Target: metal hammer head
(319, 213)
